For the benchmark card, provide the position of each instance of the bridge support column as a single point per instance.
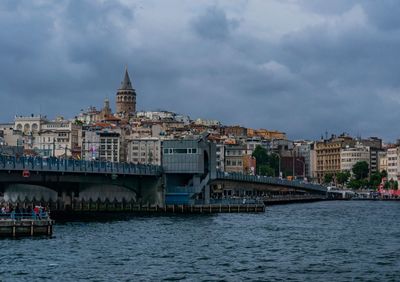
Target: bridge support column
(207, 194)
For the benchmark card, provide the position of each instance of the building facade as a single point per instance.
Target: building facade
(144, 151)
(328, 155)
(101, 145)
(234, 156)
(349, 156)
(393, 164)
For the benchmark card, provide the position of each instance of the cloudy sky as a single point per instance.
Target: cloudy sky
(300, 66)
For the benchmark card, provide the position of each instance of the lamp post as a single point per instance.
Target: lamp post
(304, 167)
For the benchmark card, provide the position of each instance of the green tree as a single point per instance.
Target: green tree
(261, 155)
(78, 122)
(342, 177)
(384, 173)
(395, 185)
(354, 184)
(266, 170)
(375, 179)
(328, 178)
(360, 170)
(266, 162)
(387, 185)
(391, 184)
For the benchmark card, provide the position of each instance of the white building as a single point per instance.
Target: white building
(305, 149)
(144, 151)
(349, 156)
(393, 165)
(220, 159)
(207, 122)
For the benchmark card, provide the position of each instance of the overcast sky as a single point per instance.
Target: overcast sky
(299, 66)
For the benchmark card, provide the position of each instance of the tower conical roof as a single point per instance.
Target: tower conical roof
(126, 83)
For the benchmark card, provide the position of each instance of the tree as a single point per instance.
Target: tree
(355, 184)
(360, 170)
(266, 170)
(384, 173)
(328, 178)
(387, 185)
(261, 155)
(266, 163)
(375, 179)
(342, 177)
(395, 185)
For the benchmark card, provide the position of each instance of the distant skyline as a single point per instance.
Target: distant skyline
(299, 66)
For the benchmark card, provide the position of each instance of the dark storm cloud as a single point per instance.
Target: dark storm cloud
(326, 66)
(213, 24)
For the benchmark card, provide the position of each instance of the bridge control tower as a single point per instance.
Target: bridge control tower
(188, 164)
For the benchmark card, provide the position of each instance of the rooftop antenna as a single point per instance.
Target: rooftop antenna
(326, 134)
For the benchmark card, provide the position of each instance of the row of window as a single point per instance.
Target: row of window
(170, 151)
(233, 163)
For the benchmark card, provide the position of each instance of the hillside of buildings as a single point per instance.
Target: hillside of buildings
(131, 136)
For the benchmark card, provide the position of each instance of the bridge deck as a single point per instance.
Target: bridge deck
(269, 180)
(76, 166)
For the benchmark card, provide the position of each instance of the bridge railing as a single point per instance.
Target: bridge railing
(67, 165)
(230, 201)
(269, 180)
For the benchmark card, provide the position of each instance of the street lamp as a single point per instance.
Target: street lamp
(304, 168)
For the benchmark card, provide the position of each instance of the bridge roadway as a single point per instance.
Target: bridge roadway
(76, 166)
(273, 181)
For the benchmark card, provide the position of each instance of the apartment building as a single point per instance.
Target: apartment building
(144, 151)
(349, 156)
(234, 155)
(328, 155)
(393, 162)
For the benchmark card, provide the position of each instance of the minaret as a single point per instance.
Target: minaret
(126, 98)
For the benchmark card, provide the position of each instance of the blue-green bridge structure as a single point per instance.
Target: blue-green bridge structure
(187, 177)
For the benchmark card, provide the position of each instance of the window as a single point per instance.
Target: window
(180, 151)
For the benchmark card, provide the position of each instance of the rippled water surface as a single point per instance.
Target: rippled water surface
(324, 241)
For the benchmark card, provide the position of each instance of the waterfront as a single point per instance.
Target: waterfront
(322, 241)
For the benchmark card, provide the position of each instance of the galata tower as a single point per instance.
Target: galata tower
(126, 98)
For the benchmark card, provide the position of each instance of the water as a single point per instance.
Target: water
(324, 241)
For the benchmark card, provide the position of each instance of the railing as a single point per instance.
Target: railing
(230, 201)
(65, 165)
(24, 216)
(269, 180)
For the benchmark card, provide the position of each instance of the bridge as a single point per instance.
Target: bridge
(183, 179)
(69, 185)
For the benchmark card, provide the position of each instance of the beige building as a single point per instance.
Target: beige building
(57, 138)
(382, 161)
(47, 138)
(233, 159)
(328, 155)
(144, 151)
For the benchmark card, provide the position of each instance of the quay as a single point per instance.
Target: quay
(25, 225)
(91, 209)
